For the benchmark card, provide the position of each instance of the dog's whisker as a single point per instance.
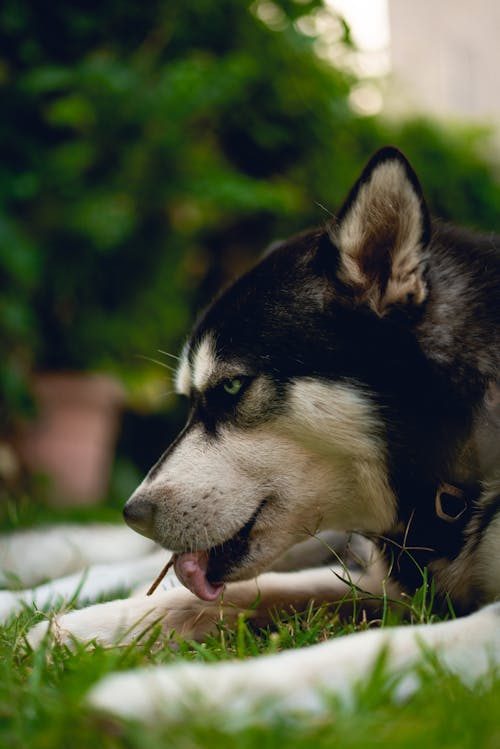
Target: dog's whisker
(325, 209)
(167, 394)
(157, 361)
(166, 353)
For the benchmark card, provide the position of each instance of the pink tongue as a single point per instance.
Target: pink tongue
(191, 569)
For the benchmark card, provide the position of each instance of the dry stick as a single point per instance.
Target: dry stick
(161, 575)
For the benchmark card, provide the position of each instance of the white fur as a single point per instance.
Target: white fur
(204, 363)
(297, 681)
(96, 581)
(30, 556)
(183, 374)
(339, 421)
(123, 621)
(81, 563)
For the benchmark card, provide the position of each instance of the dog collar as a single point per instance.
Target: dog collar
(451, 502)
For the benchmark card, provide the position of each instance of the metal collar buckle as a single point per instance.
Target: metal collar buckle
(451, 502)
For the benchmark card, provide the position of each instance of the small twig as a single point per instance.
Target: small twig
(161, 575)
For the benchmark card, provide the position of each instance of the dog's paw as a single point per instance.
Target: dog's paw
(142, 695)
(132, 619)
(237, 692)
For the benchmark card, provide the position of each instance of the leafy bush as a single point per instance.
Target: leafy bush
(133, 139)
(151, 150)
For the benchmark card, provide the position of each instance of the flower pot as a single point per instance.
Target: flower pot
(72, 440)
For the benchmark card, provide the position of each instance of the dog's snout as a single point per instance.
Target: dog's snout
(139, 514)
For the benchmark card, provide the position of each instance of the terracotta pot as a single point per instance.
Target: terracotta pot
(73, 438)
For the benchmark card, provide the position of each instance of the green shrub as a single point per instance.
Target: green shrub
(151, 150)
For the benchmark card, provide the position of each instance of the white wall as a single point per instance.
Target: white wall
(445, 56)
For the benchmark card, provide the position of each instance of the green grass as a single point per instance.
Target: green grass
(42, 695)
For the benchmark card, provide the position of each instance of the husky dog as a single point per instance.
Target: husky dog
(349, 381)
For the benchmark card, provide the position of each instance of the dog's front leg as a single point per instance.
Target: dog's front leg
(179, 611)
(97, 581)
(297, 681)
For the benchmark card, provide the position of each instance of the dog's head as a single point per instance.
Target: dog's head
(284, 374)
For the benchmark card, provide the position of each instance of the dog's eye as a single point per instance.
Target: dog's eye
(233, 387)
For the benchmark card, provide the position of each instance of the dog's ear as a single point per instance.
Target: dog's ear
(381, 232)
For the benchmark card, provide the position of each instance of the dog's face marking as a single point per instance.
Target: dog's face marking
(183, 374)
(302, 441)
(204, 363)
(256, 461)
(197, 366)
(339, 420)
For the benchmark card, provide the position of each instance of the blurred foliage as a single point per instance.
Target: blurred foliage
(151, 150)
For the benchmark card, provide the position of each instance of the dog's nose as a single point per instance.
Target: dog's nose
(139, 514)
